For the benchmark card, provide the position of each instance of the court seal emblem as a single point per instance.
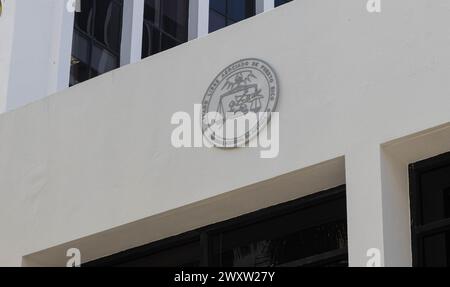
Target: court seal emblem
(248, 85)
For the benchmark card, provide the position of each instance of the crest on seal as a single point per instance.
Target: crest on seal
(249, 86)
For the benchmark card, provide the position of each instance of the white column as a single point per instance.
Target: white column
(6, 44)
(264, 5)
(35, 50)
(377, 207)
(364, 204)
(198, 19)
(396, 210)
(62, 50)
(133, 21)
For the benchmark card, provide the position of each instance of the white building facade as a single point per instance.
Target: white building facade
(47, 29)
(361, 177)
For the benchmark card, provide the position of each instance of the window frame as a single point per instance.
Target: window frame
(278, 5)
(249, 10)
(204, 234)
(159, 27)
(419, 230)
(92, 41)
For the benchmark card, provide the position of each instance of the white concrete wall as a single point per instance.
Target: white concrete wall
(93, 164)
(36, 51)
(6, 32)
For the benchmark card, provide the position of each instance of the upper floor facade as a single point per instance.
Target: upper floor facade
(49, 45)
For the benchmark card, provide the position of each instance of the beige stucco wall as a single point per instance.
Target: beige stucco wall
(95, 162)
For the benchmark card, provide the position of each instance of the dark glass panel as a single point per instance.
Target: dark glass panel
(283, 239)
(219, 6)
(168, 42)
(102, 60)
(216, 21)
(237, 9)
(281, 2)
(79, 72)
(150, 9)
(81, 47)
(97, 38)
(436, 250)
(165, 25)
(175, 18)
(430, 211)
(83, 20)
(227, 12)
(339, 261)
(151, 41)
(230, 22)
(108, 21)
(114, 28)
(186, 255)
(435, 195)
(269, 249)
(102, 16)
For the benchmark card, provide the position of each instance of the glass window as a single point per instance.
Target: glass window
(227, 12)
(165, 25)
(281, 2)
(280, 247)
(430, 214)
(182, 254)
(96, 39)
(311, 231)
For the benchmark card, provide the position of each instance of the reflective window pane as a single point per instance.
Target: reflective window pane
(219, 6)
(168, 42)
(436, 249)
(216, 21)
(227, 12)
(165, 25)
(108, 23)
(113, 34)
(280, 250)
(101, 19)
(430, 211)
(175, 18)
(102, 60)
(150, 10)
(83, 20)
(281, 2)
(151, 40)
(288, 239)
(435, 194)
(96, 40)
(79, 72)
(183, 255)
(236, 10)
(81, 47)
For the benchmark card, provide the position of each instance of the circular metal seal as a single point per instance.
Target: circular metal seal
(248, 87)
